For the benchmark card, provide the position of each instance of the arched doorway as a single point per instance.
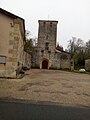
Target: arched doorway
(44, 64)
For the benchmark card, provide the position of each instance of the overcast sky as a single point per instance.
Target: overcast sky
(73, 16)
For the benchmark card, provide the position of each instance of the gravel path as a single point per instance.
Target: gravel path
(56, 86)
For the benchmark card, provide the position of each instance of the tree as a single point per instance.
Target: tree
(79, 43)
(76, 48)
(71, 45)
(28, 47)
(88, 45)
(87, 55)
(27, 34)
(79, 59)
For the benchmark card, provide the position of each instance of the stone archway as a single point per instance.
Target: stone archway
(45, 64)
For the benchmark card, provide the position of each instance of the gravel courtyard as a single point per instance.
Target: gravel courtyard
(56, 86)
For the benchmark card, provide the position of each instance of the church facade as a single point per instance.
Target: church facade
(45, 55)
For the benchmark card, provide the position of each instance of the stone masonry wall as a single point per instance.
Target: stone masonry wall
(46, 50)
(87, 64)
(14, 52)
(12, 61)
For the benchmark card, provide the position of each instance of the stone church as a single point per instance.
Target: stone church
(46, 55)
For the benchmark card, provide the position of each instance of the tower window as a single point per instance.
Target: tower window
(46, 37)
(46, 46)
(50, 24)
(44, 24)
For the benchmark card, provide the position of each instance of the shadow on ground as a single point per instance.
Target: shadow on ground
(41, 111)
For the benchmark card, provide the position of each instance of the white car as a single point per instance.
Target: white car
(82, 70)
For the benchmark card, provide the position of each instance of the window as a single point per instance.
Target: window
(51, 24)
(2, 59)
(12, 24)
(44, 24)
(46, 46)
(46, 37)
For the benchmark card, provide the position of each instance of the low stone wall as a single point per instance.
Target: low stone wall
(65, 64)
(87, 64)
(27, 59)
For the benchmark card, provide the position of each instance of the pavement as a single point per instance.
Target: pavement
(41, 111)
(46, 95)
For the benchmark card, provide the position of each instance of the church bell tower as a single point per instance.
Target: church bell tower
(47, 35)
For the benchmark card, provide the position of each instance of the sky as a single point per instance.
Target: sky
(73, 16)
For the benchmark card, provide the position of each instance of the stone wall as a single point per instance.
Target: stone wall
(12, 46)
(56, 60)
(65, 61)
(87, 64)
(27, 59)
(15, 51)
(47, 33)
(46, 49)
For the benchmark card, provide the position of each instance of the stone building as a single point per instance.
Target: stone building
(46, 55)
(87, 65)
(12, 38)
(27, 60)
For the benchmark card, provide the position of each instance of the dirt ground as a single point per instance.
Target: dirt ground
(56, 86)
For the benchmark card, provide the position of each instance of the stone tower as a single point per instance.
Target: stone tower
(47, 35)
(46, 55)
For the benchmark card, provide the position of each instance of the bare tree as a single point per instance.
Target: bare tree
(71, 45)
(88, 45)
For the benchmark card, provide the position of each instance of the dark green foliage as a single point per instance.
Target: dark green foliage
(29, 46)
(79, 51)
(79, 59)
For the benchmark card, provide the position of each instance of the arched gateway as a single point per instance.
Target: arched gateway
(45, 64)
